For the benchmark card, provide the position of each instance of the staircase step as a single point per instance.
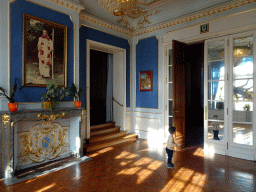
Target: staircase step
(103, 126)
(103, 137)
(108, 130)
(111, 142)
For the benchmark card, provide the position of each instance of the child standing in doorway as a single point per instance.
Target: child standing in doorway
(215, 126)
(170, 147)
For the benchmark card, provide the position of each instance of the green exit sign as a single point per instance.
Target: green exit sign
(204, 28)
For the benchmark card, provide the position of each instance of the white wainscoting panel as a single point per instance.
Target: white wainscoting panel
(146, 124)
(128, 124)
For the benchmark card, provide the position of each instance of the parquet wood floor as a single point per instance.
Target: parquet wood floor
(141, 166)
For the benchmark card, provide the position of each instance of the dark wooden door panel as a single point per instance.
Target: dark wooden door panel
(179, 91)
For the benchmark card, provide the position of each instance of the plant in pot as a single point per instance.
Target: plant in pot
(12, 105)
(76, 93)
(53, 95)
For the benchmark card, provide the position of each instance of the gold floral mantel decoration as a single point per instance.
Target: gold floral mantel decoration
(44, 141)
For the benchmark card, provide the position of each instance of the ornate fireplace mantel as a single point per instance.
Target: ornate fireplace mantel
(32, 137)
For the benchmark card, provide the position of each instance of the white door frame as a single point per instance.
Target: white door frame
(94, 45)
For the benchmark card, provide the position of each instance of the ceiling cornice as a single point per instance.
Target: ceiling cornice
(100, 22)
(184, 19)
(69, 4)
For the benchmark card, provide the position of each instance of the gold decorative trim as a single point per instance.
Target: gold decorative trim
(205, 112)
(33, 147)
(170, 23)
(5, 119)
(51, 117)
(69, 4)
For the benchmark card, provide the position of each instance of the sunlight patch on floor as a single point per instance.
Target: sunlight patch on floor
(142, 168)
(199, 152)
(129, 171)
(143, 174)
(142, 161)
(209, 151)
(101, 151)
(186, 180)
(122, 155)
(46, 188)
(155, 165)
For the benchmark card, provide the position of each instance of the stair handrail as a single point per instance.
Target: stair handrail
(117, 102)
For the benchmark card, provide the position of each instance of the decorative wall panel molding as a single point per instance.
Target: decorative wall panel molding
(184, 19)
(128, 124)
(146, 124)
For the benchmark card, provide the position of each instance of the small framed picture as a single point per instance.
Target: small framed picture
(204, 28)
(146, 80)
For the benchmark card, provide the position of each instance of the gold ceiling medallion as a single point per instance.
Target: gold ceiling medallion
(132, 16)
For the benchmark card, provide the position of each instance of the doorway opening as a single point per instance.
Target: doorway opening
(194, 97)
(117, 56)
(98, 82)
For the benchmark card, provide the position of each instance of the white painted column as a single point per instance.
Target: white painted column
(5, 72)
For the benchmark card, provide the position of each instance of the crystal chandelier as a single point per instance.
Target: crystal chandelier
(118, 7)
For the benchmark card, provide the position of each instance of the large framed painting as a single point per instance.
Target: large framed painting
(45, 52)
(146, 80)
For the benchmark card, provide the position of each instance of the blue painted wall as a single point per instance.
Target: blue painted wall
(95, 35)
(147, 60)
(33, 94)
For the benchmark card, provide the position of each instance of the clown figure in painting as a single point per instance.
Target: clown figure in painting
(45, 50)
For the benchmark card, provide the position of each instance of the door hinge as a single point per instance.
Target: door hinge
(227, 145)
(228, 42)
(227, 111)
(227, 77)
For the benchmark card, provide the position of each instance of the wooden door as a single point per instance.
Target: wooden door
(179, 91)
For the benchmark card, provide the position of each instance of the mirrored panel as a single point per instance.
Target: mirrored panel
(170, 90)
(216, 90)
(216, 50)
(216, 129)
(243, 67)
(170, 121)
(242, 133)
(242, 46)
(216, 70)
(243, 90)
(170, 108)
(216, 108)
(170, 74)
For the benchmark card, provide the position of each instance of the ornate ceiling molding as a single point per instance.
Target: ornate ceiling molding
(143, 3)
(200, 14)
(106, 24)
(69, 4)
(138, 14)
(194, 16)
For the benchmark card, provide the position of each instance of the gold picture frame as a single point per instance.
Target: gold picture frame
(44, 52)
